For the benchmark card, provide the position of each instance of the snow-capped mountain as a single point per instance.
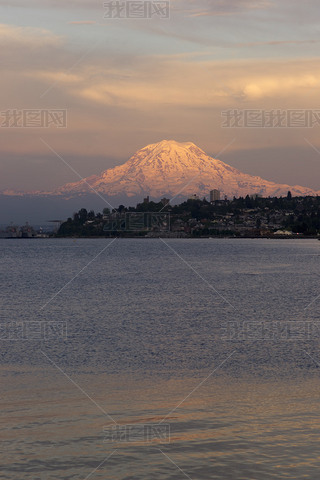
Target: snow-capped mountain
(169, 168)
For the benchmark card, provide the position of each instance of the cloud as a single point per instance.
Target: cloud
(280, 86)
(199, 8)
(28, 36)
(162, 81)
(57, 77)
(275, 43)
(51, 4)
(189, 7)
(82, 22)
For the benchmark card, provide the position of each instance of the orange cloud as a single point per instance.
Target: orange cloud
(35, 37)
(162, 80)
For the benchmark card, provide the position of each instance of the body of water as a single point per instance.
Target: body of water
(159, 358)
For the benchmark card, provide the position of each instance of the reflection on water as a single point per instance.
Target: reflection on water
(144, 348)
(227, 429)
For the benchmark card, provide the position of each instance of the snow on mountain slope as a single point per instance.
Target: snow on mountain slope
(169, 168)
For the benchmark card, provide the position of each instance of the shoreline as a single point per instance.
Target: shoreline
(262, 237)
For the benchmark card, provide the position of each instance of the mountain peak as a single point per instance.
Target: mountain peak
(171, 142)
(168, 157)
(170, 146)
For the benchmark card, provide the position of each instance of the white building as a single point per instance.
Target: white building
(214, 195)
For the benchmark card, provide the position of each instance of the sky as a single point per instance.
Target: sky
(123, 83)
